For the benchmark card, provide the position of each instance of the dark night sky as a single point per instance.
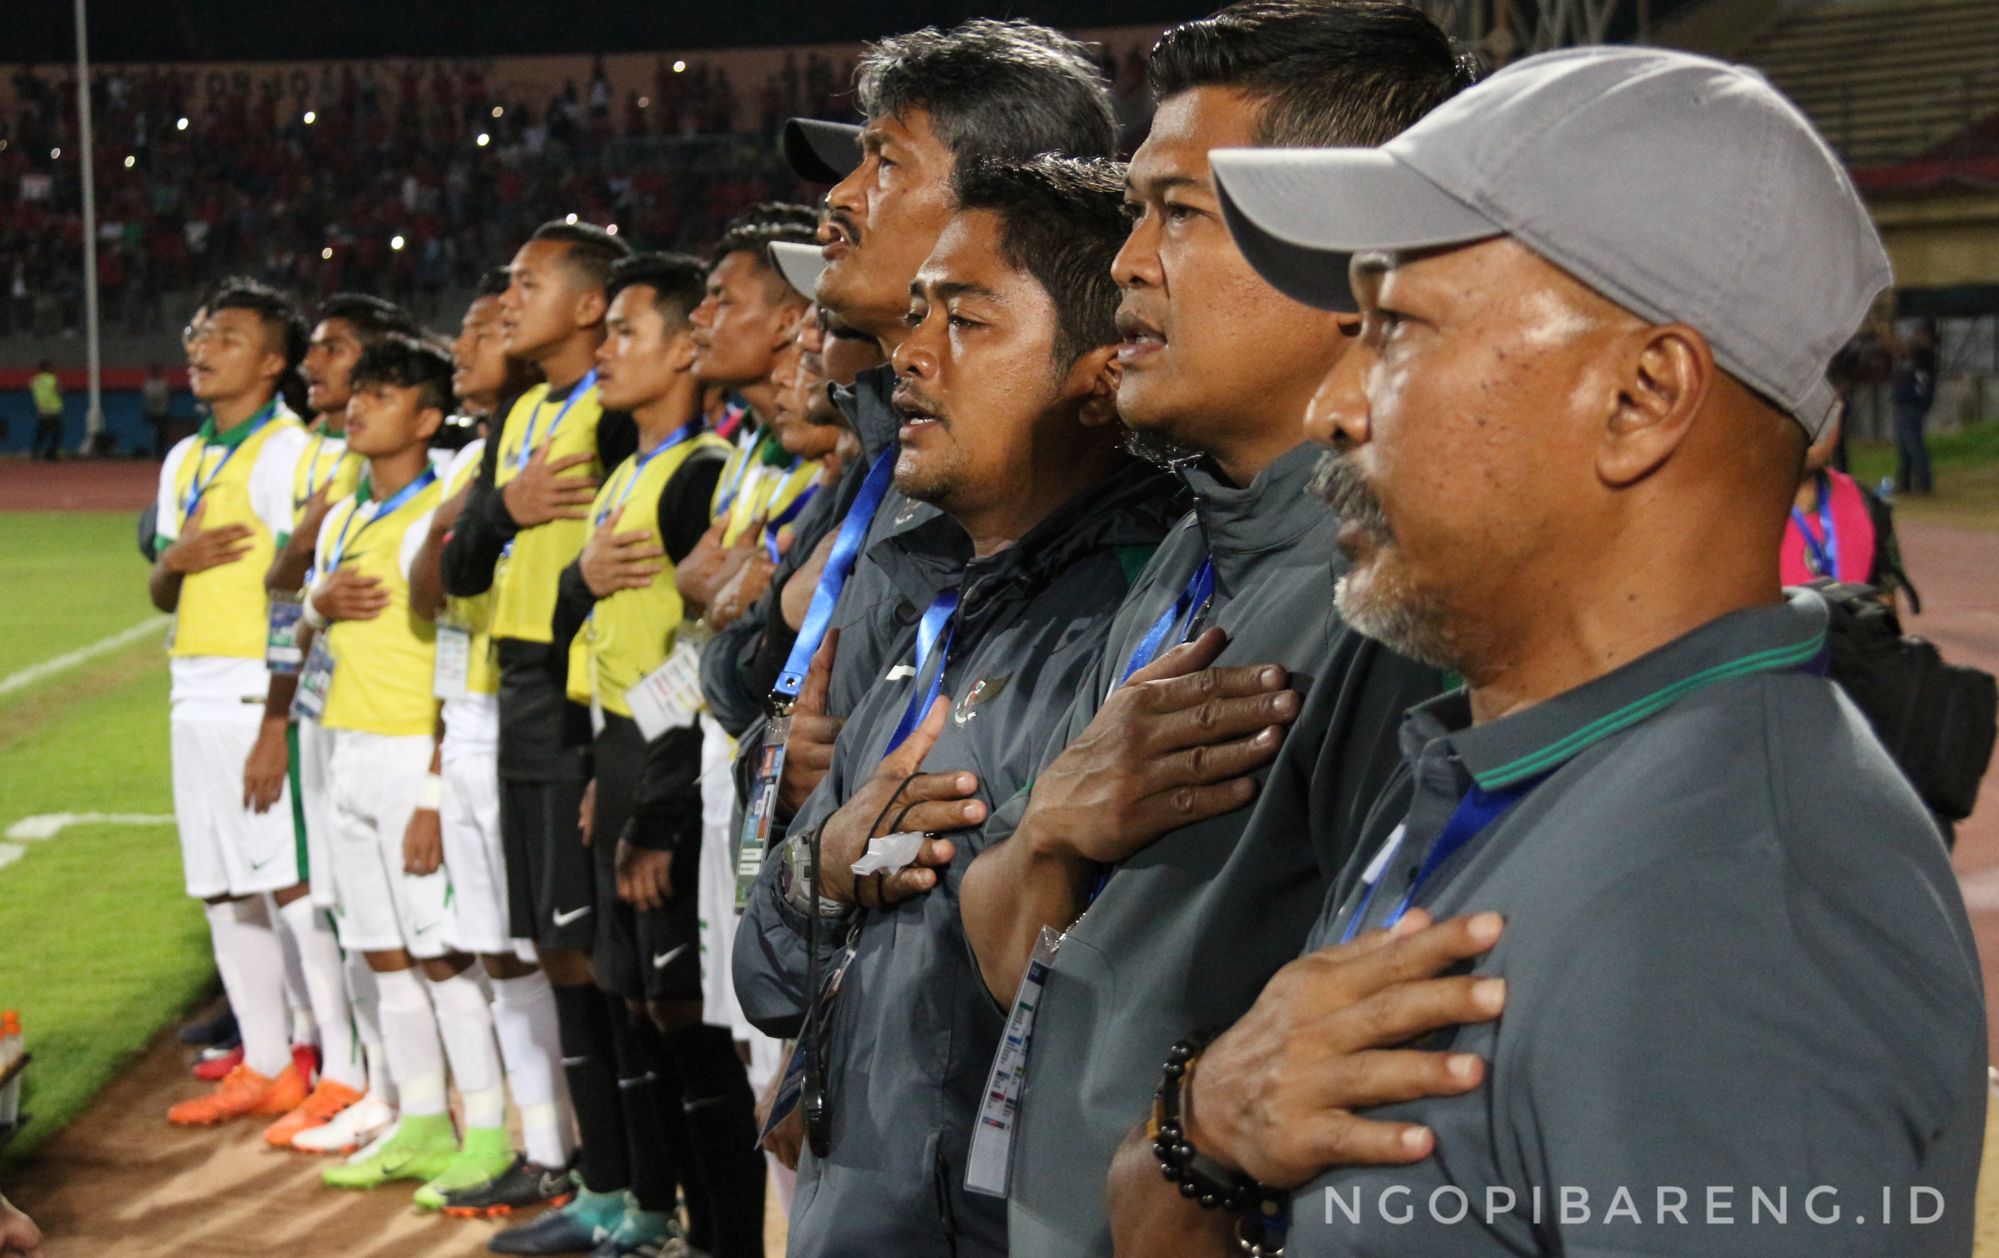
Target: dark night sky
(228, 30)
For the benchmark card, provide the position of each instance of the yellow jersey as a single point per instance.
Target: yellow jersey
(475, 614)
(382, 668)
(631, 633)
(761, 492)
(524, 585)
(236, 477)
(326, 464)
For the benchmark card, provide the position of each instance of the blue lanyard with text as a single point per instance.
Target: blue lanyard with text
(1823, 555)
(933, 638)
(1183, 612)
(526, 451)
(1474, 815)
(833, 578)
(672, 439)
(388, 508)
(789, 514)
(198, 486)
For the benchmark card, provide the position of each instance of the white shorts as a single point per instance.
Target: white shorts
(376, 779)
(226, 849)
(315, 752)
(472, 850)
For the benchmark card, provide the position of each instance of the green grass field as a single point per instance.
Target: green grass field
(99, 945)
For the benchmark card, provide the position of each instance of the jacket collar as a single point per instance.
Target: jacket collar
(1542, 738)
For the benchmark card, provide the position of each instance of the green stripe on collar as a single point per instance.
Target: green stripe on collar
(1788, 656)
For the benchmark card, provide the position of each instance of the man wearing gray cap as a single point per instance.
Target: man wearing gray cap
(1743, 1011)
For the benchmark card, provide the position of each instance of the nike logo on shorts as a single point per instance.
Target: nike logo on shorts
(563, 919)
(660, 960)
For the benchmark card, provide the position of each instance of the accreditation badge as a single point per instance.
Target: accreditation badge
(315, 679)
(281, 650)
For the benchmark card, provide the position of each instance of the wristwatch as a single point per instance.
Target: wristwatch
(795, 880)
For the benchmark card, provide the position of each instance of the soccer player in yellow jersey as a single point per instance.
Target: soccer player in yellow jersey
(224, 499)
(327, 473)
(370, 672)
(620, 604)
(525, 519)
(741, 330)
(467, 680)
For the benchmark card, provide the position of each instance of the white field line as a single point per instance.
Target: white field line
(47, 825)
(70, 659)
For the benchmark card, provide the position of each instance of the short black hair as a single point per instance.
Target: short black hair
(678, 282)
(1330, 73)
(371, 317)
(993, 89)
(754, 229)
(1062, 221)
(592, 250)
(279, 313)
(409, 362)
(494, 281)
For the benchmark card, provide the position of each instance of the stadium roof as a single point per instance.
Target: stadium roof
(41, 31)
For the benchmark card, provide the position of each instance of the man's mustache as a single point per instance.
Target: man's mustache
(1336, 483)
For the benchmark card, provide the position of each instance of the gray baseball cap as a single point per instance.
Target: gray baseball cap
(1684, 189)
(800, 265)
(821, 151)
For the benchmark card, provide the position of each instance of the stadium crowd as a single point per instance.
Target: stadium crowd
(308, 180)
(946, 676)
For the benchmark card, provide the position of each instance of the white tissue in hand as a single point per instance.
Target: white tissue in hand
(889, 854)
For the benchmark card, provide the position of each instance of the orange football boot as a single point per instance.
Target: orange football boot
(318, 1109)
(244, 1093)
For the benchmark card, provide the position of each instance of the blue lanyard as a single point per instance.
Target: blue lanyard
(1823, 555)
(388, 508)
(790, 514)
(938, 627)
(312, 465)
(198, 486)
(751, 453)
(671, 440)
(1200, 588)
(839, 566)
(526, 451)
(1474, 815)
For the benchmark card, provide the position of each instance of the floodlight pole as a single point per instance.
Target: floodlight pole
(93, 419)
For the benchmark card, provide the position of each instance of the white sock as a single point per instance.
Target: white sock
(465, 1018)
(304, 1027)
(409, 1033)
(364, 998)
(252, 963)
(524, 1018)
(321, 965)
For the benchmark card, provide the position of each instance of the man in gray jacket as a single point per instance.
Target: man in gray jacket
(1218, 367)
(1006, 386)
(1742, 1007)
(935, 102)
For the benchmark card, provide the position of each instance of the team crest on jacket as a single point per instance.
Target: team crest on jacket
(982, 690)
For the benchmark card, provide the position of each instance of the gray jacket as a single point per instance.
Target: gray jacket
(1186, 933)
(912, 1033)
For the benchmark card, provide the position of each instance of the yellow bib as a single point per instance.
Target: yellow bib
(474, 614)
(326, 464)
(630, 633)
(525, 583)
(225, 611)
(382, 668)
(757, 497)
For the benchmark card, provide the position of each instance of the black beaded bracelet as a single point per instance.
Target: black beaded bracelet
(1203, 1180)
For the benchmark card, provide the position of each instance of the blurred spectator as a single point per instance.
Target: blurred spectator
(48, 411)
(1912, 390)
(156, 399)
